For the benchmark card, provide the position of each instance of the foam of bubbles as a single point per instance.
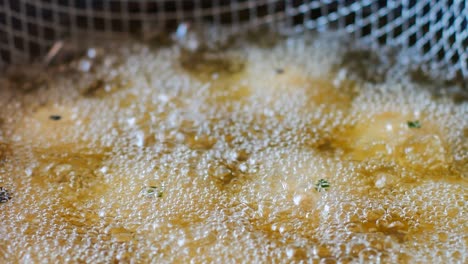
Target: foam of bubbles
(170, 154)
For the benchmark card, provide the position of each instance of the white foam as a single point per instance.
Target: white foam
(237, 157)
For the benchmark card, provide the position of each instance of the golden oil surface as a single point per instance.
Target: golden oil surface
(166, 155)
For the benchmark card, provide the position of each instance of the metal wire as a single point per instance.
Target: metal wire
(432, 32)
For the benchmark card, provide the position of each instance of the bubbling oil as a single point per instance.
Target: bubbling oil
(168, 155)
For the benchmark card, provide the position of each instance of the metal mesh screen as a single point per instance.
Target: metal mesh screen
(432, 32)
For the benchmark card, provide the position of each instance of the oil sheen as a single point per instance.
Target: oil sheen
(167, 154)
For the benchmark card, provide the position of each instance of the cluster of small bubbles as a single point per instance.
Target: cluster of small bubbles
(178, 154)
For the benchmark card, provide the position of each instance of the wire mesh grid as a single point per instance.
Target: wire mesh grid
(433, 32)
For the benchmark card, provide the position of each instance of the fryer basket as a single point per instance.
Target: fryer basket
(433, 33)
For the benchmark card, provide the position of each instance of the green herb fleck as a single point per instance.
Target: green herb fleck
(414, 124)
(152, 192)
(322, 185)
(55, 117)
